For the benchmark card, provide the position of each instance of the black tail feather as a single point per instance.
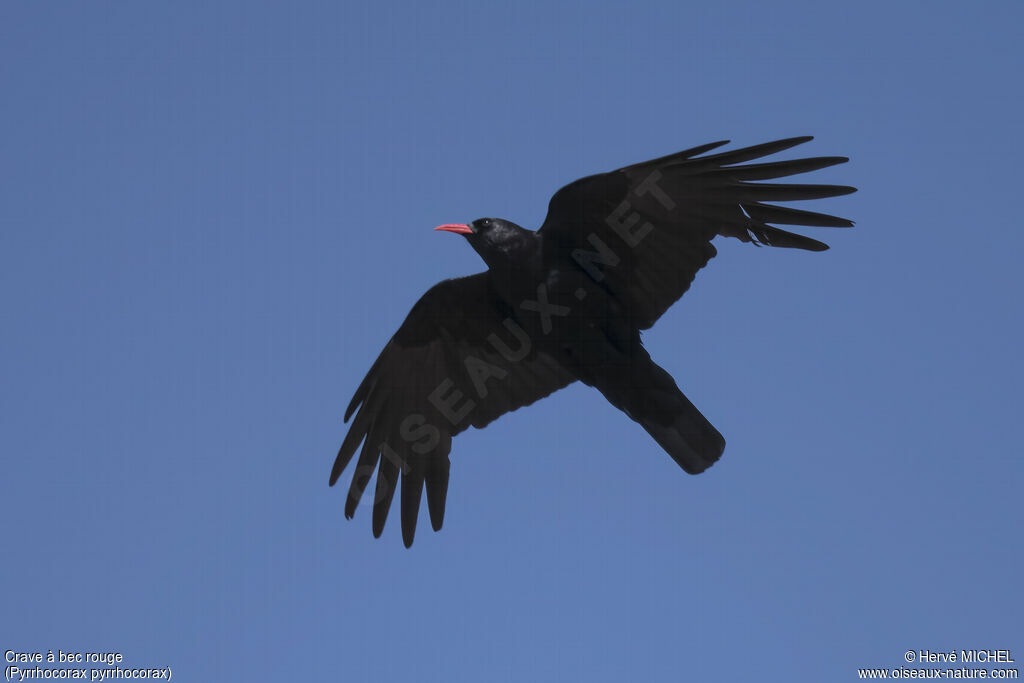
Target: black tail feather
(649, 395)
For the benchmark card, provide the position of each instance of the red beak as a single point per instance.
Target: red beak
(460, 228)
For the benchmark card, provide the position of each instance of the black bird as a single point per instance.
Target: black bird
(567, 303)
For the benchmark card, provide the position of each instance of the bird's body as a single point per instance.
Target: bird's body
(566, 303)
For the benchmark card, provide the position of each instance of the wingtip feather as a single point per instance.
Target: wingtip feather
(387, 481)
(412, 493)
(436, 480)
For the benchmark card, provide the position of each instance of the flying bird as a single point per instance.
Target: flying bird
(567, 303)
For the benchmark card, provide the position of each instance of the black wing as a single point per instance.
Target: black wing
(645, 230)
(459, 359)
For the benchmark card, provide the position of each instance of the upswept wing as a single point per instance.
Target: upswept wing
(645, 230)
(459, 360)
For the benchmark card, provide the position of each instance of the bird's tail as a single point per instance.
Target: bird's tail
(649, 395)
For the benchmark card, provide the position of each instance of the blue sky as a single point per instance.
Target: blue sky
(213, 216)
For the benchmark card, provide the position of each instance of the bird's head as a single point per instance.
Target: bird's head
(495, 239)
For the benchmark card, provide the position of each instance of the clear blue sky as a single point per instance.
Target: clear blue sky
(214, 215)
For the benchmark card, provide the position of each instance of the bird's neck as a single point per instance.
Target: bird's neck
(514, 266)
(513, 254)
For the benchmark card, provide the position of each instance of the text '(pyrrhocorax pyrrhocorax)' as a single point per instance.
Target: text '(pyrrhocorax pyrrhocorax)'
(565, 303)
